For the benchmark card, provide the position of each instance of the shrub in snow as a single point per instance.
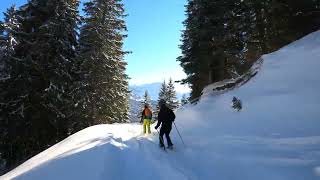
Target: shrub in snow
(236, 104)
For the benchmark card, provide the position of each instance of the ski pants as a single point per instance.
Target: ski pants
(165, 131)
(146, 126)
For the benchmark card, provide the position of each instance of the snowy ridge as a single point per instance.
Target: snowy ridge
(274, 137)
(229, 84)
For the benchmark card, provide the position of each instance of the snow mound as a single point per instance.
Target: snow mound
(82, 151)
(276, 134)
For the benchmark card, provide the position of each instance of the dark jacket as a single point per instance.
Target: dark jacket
(165, 117)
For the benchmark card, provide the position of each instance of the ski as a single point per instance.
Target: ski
(164, 148)
(170, 148)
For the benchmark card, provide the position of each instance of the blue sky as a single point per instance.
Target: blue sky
(154, 28)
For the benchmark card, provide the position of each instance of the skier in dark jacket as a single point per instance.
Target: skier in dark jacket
(165, 118)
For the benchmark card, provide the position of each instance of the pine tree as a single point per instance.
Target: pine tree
(163, 91)
(171, 96)
(103, 87)
(162, 95)
(190, 38)
(7, 41)
(7, 44)
(203, 58)
(11, 107)
(146, 99)
(37, 101)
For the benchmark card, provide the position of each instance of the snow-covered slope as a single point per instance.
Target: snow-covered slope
(276, 135)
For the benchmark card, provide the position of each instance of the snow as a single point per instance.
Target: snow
(317, 171)
(275, 136)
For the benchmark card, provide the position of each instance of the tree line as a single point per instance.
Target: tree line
(222, 39)
(168, 93)
(59, 73)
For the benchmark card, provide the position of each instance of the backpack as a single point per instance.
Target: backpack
(172, 116)
(147, 113)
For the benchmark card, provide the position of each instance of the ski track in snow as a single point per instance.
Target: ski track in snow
(161, 164)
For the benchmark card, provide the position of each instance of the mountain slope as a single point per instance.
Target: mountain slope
(153, 89)
(275, 136)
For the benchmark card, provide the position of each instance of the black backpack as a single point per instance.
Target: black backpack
(171, 114)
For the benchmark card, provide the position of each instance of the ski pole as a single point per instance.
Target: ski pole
(179, 134)
(161, 139)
